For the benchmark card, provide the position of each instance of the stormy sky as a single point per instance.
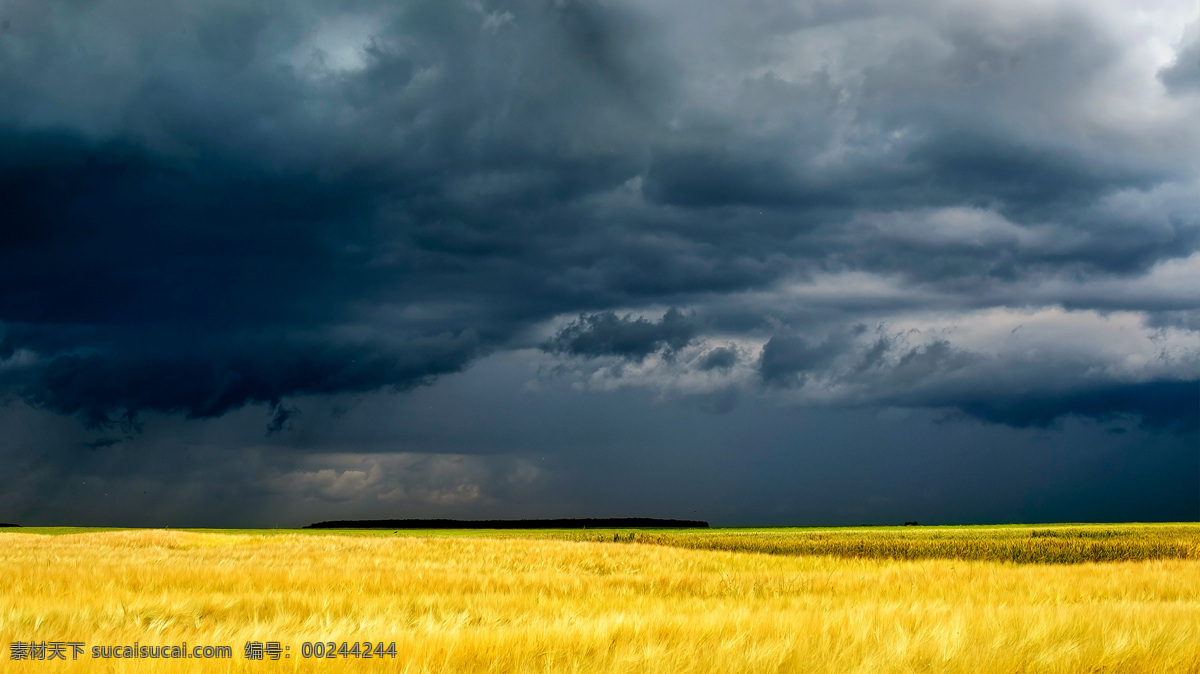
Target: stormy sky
(264, 263)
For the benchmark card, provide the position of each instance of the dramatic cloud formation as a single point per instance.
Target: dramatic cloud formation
(988, 209)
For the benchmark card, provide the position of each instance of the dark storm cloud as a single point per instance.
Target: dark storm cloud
(1011, 389)
(785, 356)
(606, 334)
(219, 245)
(208, 207)
(114, 387)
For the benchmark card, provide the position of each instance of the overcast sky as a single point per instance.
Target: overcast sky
(264, 263)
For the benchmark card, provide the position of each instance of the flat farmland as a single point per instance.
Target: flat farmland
(1050, 598)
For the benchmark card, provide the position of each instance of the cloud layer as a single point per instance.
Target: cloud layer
(819, 204)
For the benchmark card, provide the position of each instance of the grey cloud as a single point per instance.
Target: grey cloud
(114, 388)
(1183, 75)
(906, 369)
(606, 334)
(216, 223)
(701, 178)
(238, 204)
(720, 358)
(785, 357)
(934, 358)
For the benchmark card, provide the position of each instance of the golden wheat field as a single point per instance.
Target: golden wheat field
(647, 601)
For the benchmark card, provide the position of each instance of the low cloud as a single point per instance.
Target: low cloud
(111, 388)
(786, 357)
(1019, 368)
(606, 334)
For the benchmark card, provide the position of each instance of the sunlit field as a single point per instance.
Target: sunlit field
(990, 599)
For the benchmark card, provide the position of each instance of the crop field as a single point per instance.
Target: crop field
(1053, 598)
